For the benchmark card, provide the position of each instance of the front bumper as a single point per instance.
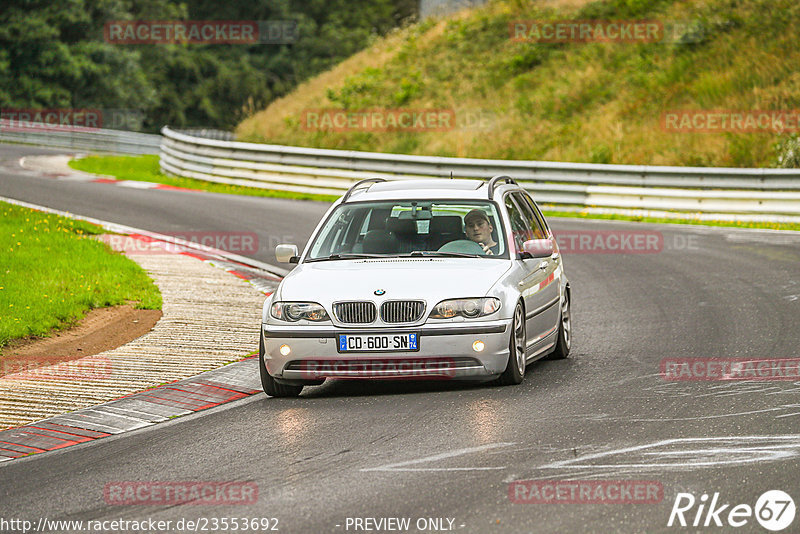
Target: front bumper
(445, 351)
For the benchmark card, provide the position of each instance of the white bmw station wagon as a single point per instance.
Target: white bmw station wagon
(418, 279)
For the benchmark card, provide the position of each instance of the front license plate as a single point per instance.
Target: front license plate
(378, 342)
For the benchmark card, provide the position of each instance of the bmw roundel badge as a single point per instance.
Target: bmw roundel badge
(379, 292)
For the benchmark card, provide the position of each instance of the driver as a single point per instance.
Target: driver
(479, 229)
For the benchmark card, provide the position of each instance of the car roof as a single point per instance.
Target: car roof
(432, 188)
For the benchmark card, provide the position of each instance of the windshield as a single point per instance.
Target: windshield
(453, 228)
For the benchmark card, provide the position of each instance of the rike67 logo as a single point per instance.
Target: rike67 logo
(774, 510)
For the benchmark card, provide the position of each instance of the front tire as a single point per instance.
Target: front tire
(271, 387)
(515, 368)
(564, 331)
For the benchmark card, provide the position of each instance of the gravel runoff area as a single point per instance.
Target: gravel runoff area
(210, 317)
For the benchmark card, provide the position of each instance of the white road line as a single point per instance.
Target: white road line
(702, 417)
(726, 449)
(400, 466)
(136, 185)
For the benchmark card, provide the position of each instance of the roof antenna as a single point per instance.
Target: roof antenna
(451, 174)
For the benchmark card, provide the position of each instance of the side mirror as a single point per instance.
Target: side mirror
(537, 248)
(286, 254)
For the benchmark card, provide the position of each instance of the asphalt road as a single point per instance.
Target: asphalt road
(350, 449)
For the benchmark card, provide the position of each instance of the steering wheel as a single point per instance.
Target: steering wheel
(464, 246)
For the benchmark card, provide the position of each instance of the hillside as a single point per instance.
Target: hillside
(601, 102)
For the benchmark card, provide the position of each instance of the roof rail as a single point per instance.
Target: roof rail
(360, 182)
(494, 180)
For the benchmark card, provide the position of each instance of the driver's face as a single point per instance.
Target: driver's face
(479, 230)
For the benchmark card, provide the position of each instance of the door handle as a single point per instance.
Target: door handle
(542, 265)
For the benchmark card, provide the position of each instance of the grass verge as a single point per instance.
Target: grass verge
(52, 273)
(146, 169)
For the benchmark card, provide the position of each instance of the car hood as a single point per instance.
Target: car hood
(429, 279)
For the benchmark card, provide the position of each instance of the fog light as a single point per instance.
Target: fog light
(478, 346)
(285, 350)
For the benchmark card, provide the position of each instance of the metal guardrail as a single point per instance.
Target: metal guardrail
(101, 140)
(759, 193)
(212, 155)
(208, 133)
(432, 8)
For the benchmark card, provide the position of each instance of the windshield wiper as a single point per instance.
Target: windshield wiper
(442, 254)
(348, 256)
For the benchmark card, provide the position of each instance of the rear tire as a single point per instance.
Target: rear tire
(515, 368)
(271, 387)
(564, 331)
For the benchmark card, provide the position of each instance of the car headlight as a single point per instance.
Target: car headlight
(297, 311)
(469, 308)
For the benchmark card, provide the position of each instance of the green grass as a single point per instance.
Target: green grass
(146, 169)
(52, 272)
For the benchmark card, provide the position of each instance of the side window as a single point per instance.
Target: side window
(352, 234)
(538, 212)
(344, 232)
(324, 244)
(337, 238)
(519, 228)
(529, 212)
